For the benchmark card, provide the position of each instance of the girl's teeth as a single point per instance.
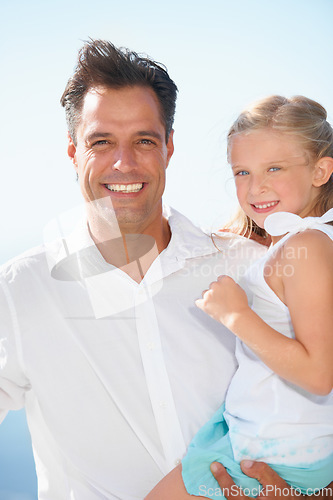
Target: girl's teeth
(266, 205)
(125, 188)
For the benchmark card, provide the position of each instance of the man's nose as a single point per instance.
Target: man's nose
(124, 160)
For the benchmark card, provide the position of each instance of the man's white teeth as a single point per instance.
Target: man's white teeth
(125, 188)
(267, 205)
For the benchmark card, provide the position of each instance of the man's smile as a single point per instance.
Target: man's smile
(125, 188)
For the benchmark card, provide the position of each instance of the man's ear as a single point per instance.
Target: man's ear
(71, 151)
(323, 171)
(170, 147)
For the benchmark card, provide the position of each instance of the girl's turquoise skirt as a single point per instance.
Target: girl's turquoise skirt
(212, 444)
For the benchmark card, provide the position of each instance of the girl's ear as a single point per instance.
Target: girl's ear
(322, 171)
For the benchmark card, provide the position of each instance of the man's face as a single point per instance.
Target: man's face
(121, 153)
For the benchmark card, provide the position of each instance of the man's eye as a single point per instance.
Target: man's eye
(241, 172)
(146, 142)
(100, 143)
(274, 169)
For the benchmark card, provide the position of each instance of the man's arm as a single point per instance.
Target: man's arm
(273, 485)
(172, 486)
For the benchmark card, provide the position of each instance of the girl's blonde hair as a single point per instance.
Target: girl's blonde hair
(300, 117)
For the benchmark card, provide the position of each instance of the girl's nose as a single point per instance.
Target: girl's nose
(258, 184)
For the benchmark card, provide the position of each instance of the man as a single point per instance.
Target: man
(101, 341)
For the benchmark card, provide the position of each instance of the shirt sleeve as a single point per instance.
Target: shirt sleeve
(13, 382)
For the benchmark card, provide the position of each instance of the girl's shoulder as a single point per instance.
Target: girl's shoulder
(306, 243)
(306, 257)
(300, 252)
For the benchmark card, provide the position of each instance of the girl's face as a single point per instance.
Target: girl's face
(272, 174)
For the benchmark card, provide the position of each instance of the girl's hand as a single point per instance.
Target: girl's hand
(224, 300)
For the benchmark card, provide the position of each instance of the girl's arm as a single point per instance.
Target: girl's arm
(305, 267)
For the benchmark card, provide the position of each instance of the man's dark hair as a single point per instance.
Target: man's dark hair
(100, 63)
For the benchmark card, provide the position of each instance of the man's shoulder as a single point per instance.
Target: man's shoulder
(234, 255)
(33, 261)
(191, 241)
(187, 239)
(235, 245)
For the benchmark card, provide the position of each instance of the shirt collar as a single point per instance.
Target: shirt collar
(76, 255)
(187, 240)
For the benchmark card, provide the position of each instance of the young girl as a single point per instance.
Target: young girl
(279, 406)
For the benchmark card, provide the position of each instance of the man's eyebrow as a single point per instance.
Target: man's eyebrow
(150, 133)
(97, 135)
(141, 133)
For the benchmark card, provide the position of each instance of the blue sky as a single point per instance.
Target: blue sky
(222, 55)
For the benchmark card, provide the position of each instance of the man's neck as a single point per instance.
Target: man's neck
(133, 253)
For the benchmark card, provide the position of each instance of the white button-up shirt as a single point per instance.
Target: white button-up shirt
(116, 376)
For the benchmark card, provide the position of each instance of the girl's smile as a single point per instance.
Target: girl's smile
(264, 207)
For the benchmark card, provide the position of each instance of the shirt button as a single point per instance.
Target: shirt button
(178, 461)
(151, 346)
(163, 404)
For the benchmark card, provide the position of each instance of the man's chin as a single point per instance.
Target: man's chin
(121, 216)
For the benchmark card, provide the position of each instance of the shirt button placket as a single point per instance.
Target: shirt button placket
(157, 379)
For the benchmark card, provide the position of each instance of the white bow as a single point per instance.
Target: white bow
(281, 223)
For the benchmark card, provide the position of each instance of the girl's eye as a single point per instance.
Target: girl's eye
(274, 169)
